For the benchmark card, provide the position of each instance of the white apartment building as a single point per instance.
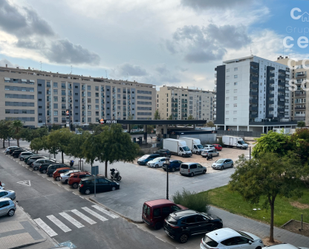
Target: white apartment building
(179, 103)
(38, 98)
(299, 80)
(252, 95)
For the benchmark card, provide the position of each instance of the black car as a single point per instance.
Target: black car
(16, 153)
(173, 165)
(86, 185)
(13, 149)
(52, 167)
(32, 159)
(163, 152)
(180, 225)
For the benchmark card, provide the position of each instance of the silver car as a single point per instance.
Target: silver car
(192, 169)
(64, 177)
(207, 152)
(7, 207)
(25, 154)
(36, 164)
(223, 163)
(7, 194)
(157, 162)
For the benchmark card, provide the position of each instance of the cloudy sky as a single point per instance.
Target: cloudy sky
(174, 42)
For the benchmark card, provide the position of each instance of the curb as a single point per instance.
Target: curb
(121, 215)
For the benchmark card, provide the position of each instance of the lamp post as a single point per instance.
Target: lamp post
(167, 163)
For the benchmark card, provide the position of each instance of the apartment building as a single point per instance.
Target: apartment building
(38, 98)
(179, 103)
(299, 84)
(252, 95)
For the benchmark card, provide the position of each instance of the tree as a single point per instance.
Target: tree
(92, 148)
(50, 144)
(170, 117)
(17, 126)
(272, 142)
(5, 130)
(267, 177)
(157, 115)
(116, 146)
(37, 144)
(300, 144)
(190, 117)
(193, 201)
(301, 124)
(210, 124)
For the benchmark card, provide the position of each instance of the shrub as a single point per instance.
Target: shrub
(192, 200)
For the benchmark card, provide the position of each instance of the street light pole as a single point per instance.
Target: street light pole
(167, 162)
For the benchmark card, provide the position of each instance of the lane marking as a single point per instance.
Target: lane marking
(45, 227)
(82, 216)
(103, 210)
(72, 220)
(59, 223)
(25, 183)
(100, 217)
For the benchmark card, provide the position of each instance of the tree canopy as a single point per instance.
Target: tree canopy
(5, 130)
(157, 115)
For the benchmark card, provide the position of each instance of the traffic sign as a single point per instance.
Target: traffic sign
(109, 121)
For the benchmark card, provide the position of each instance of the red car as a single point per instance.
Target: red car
(218, 147)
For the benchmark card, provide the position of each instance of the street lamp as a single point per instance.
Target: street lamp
(167, 163)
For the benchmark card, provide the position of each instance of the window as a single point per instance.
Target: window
(55, 98)
(235, 68)
(89, 94)
(89, 88)
(235, 90)
(97, 88)
(55, 113)
(235, 83)
(55, 106)
(235, 97)
(235, 104)
(55, 84)
(235, 76)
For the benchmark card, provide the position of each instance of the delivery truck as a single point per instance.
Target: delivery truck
(177, 147)
(232, 141)
(194, 144)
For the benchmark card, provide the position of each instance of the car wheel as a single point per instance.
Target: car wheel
(87, 191)
(192, 174)
(75, 185)
(232, 165)
(158, 225)
(218, 154)
(258, 247)
(156, 166)
(113, 188)
(35, 168)
(173, 169)
(66, 182)
(204, 172)
(11, 212)
(58, 178)
(183, 238)
(50, 175)
(44, 171)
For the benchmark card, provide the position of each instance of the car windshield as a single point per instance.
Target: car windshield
(245, 235)
(200, 146)
(241, 142)
(210, 242)
(186, 148)
(220, 161)
(157, 159)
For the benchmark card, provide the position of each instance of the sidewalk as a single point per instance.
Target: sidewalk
(20, 231)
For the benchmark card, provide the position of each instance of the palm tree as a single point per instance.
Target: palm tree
(17, 125)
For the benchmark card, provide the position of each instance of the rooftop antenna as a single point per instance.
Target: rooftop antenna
(41, 65)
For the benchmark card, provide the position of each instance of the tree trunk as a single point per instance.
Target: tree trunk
(271, 200)
(3, 144)
(106, 168)
(17, 142)
(62, 157)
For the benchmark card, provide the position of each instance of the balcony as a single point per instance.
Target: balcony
(253, 101)
(270, 109)
(271, 81)
(281, 83)
(281, 89)
(300, 108)
(253, 93)
(254, 70)
(254, 85)
(271, 74)
(253, 109)
(271, 88)
(254, 78)
(270, 102)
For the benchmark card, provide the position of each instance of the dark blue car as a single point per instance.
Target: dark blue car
(146, 158)
(173, 165)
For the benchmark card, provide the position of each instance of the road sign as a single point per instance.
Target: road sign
(25, 183)
(94, 170)
(109, 121)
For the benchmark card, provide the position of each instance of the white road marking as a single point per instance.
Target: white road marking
(59, 223)
(25, 183)
(103, 210)
(100, 217)
(72, 220)
(82, 216)
(45, 227)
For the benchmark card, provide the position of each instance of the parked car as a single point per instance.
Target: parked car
(180, 225)
(36, 164)
(229, 238)
(75, 178)
(223, 163)
(25, 154)
(192, 169)
(157, 162)
(52, 167)
(8, 193)
(64, 177)
(155, 211)
(206, 152)
(13, 149)
(7, 150)
(2, 186)
(43, 167)
(32, 159)
(218, 147)
(26, 158)
(7, 207)
(17, 152)
(173, 165)
(284, 246)
(57, 172)
(209, 146)
(86, 185)
(146, 158)
(163, 153)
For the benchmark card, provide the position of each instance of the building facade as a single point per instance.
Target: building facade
(252, 95)
(38, 98)
(179, 103)
(299, 84)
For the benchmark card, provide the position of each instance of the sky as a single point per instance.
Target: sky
(174, 42)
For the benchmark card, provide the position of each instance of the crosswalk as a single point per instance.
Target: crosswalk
(74, 219)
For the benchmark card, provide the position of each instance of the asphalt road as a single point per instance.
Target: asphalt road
(45, 201)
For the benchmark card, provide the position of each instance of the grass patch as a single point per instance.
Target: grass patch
(284, 211)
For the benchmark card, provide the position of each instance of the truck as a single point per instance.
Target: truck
(194, 144)
(232, 141)
(177, 147)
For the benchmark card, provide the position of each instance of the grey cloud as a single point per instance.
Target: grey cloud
(165, 75)
(204, 44)
(63, 51)
(127, 70)
(209, 4)
(22, 21)
(181, 69)
(30, 44)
